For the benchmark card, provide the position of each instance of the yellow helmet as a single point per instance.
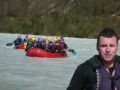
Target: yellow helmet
(32, 37)
(55, 39)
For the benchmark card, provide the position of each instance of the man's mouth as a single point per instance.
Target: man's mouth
(107, 55)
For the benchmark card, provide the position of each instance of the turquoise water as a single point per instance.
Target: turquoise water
(19, 72)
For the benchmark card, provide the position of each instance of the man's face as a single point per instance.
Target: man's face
(107, 48)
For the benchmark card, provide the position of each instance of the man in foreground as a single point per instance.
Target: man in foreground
(102, 71)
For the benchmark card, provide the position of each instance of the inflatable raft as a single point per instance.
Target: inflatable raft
(37, 52)
(20, 46)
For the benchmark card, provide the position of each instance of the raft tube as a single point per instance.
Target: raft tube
(20, 46)
(37, 52)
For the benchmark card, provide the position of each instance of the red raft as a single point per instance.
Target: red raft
(37, 52)
(20, 46)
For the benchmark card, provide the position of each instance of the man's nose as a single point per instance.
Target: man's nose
(107, 49)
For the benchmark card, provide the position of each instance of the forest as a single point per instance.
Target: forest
(72, 18)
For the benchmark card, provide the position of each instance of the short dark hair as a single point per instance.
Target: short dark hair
(107, 32)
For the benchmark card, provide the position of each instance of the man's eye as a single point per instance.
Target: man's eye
(112, 45)
(103, 45)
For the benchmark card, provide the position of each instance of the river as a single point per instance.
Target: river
(20, 72)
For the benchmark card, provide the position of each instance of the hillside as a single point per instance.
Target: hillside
(76, 18)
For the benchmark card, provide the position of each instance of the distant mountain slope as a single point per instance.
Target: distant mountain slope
(74, 18)
(88, 7)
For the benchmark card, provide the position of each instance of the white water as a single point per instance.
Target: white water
(19, 72)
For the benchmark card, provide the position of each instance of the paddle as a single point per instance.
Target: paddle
(9, 44)
(72, 51)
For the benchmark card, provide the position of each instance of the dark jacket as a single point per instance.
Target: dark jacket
(85, 76)
(18, 41)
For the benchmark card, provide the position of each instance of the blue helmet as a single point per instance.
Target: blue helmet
(40, 39)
